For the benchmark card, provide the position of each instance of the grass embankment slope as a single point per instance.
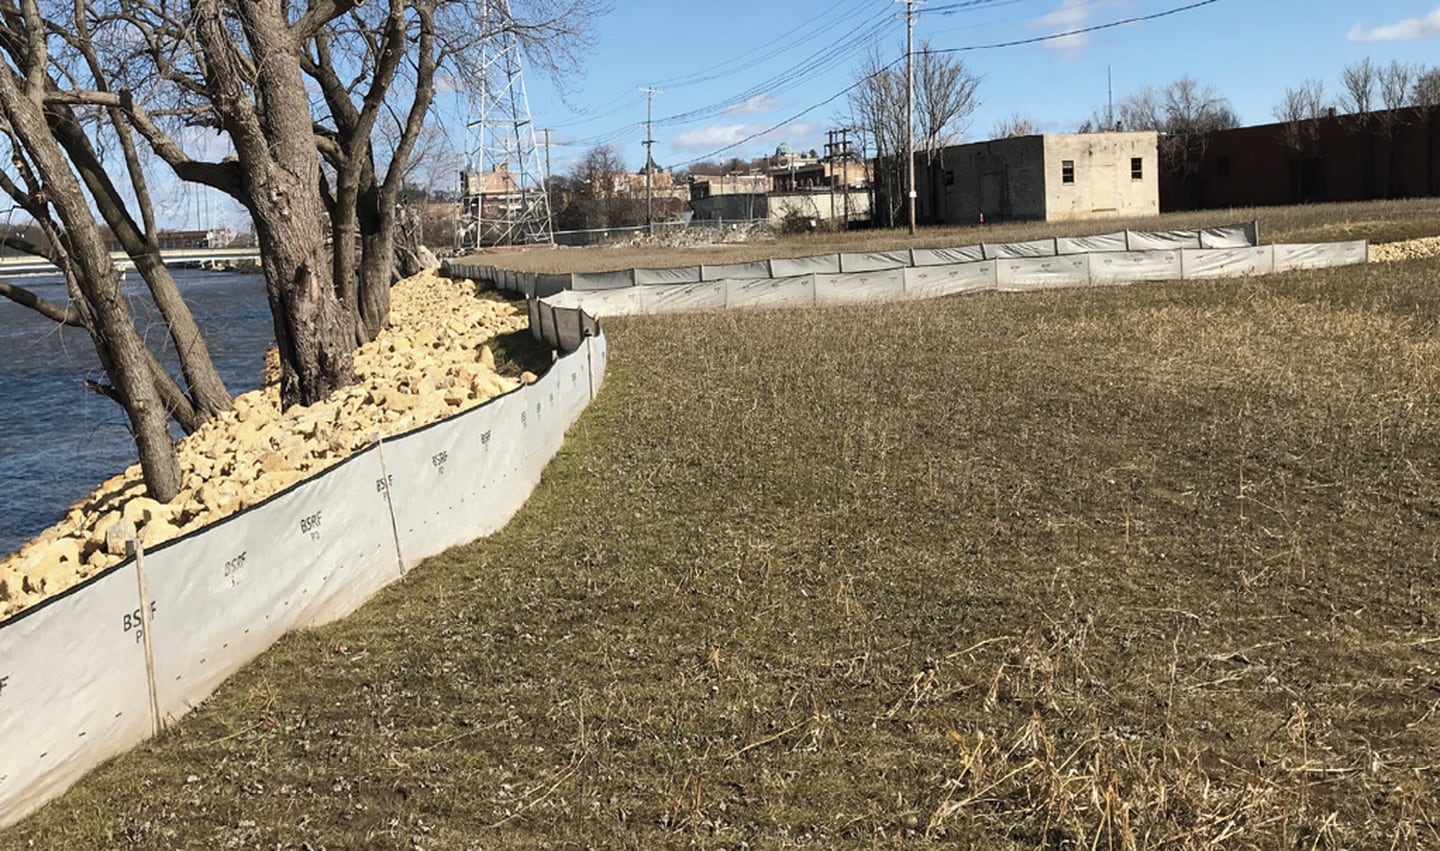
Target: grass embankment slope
(1150, 566)
(1377, 221)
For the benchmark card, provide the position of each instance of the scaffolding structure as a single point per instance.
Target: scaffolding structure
(504, 199)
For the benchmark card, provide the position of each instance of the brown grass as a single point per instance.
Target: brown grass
(1377, 221)
(1145, 567)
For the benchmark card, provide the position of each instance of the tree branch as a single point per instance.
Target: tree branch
(65, 315)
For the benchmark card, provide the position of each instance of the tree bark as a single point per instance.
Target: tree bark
(208, 396)
(314, 329)
(116, 340)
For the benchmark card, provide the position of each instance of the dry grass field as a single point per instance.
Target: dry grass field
(1377, 221)
(1142, 567)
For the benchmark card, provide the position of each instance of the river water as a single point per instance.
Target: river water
(58, 440)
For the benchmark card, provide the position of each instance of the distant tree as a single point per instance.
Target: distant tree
(1427, 88)
(1183, 113)
(945, 98)
(1358, 81)
(1397, 85)
(1015, 125)
(1300, 111)
(599, 193)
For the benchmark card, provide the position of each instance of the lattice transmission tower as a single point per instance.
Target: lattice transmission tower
(503, 192)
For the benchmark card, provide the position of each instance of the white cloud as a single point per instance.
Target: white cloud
(1071, 15)
(1410, 28)
(759, 103)
(708, 139)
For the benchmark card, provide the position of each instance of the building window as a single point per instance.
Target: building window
(1222, 166)
(1137, 168)
(1067, 171)
(949, 178)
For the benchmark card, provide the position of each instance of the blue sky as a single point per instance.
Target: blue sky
(706, 56)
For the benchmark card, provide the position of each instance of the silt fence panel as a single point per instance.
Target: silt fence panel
(885, 285)
(728, 271)
(533, 307)
(621, 302)
(1129, 266)
(73, 689)
(874, 261)
(547, 325)
(771, 292)
(588, 281)
(1321, 255)
(1009, 250)
(933, 281)
(544, 421)
(947, 256)
(1161, 240)
(709, 295)
(307, 556)
(1034, 273)
(572, 384)
(458, 479)
(569, 328)
(548, 285)
(791, 267)
(1091, 244)
(676, 275)
(599, 359)
(1231, 236)
(1227, 262)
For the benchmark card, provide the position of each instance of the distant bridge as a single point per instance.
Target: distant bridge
(171, 256)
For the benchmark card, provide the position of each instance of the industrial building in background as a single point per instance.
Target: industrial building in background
(1051, 177)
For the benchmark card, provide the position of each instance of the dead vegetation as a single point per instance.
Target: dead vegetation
(1111, 568)
(1377, 221)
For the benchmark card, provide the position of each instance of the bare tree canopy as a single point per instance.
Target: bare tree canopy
(945, 98)
(1358, 81)
(1015, 125)
(1427, 87)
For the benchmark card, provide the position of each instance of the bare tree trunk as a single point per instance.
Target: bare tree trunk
(117, 342)
(208, 396)
(314, 329)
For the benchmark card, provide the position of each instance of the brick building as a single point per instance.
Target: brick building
(1387, 154)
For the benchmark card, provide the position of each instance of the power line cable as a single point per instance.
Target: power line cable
(994, 46)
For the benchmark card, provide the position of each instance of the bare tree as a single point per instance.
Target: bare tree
(1014, 126)
(1184, 114)
(1358, 81)
(1396, 85)
(1427, 88)
(945, 98)
(1300, 111)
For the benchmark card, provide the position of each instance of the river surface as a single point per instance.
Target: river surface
(58, 440)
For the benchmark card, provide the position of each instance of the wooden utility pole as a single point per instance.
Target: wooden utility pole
(845, 163)
(650, 93)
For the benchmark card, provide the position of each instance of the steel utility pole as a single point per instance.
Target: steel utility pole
(650, 93)
(546, 131)
(910, 106)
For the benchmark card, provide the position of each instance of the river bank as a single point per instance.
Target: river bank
(434, 361)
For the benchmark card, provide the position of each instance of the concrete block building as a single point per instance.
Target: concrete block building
(1052, 177)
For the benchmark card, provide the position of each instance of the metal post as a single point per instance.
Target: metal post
(910, 105)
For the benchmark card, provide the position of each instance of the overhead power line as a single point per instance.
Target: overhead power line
(973, 47)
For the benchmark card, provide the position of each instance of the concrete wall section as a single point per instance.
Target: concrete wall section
(1104, 181)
